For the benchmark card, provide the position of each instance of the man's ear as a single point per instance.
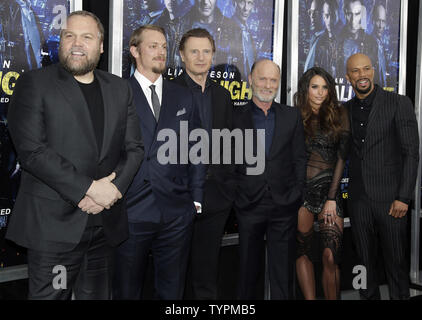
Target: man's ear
(182, 56)
(134, 51)
(102, 47)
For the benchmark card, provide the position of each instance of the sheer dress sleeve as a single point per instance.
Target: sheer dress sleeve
(343, 146)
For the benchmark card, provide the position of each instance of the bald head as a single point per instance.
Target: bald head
(264, 80)
(265, 63)
(357, 59)
(360, 74)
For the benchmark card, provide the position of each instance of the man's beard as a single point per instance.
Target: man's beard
(79, 69)
(159, 70)
(363, 91)
(261, 98)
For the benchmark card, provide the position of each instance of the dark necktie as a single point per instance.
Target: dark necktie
(155, 102)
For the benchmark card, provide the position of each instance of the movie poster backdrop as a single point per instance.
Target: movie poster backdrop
(242, 30)
(29, 39)
(330, 31)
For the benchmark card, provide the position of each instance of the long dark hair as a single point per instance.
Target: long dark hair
(329, 113)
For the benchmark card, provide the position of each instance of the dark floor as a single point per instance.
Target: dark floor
(17, 290)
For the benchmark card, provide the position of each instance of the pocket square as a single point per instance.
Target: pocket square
(181, 112)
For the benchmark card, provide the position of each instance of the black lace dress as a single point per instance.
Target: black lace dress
(326, 159)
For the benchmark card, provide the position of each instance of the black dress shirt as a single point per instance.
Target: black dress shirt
(360, 115)
(266, 122)
(202, 101)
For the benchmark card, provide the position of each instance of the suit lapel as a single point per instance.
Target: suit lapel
(377, 104)
(216, 109)
(348, 106)
(142, 106)
(109, 123)
(248, 123)
(166, 106)
(278, 131)
(76, 102)
(248, 117)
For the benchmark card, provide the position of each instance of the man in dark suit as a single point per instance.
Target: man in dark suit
(160, 201)
(215, 109)
(267, 203)
(78, 142)
(383, 167)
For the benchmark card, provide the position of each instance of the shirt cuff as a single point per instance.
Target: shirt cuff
(197, 204)
(404, 200)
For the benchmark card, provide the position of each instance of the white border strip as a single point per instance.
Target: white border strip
(75, 5)
(403, 46)
(278, 38)
(292, 50)
(115, 50)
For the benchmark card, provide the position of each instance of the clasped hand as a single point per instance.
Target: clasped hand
(101, 194)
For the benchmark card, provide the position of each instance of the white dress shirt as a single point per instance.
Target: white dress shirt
(145, 83)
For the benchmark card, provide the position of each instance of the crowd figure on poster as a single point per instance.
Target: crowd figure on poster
(237, 39)
(330, 42)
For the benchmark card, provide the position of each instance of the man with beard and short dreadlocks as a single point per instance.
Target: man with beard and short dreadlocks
(383, 167)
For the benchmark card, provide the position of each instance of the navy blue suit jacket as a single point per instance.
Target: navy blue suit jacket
(164, 191)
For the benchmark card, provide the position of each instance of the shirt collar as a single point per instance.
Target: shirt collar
(258, 110)
(145, 82)
(192, 84)
(369, 99)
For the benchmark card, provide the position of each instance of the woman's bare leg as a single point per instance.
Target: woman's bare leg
(304, 266)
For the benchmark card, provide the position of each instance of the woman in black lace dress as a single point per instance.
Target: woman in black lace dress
(326, 125)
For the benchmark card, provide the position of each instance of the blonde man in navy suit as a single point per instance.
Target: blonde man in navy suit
(163, 198)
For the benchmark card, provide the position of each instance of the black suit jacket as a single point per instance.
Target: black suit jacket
(285, 167)
(219, 188)
(50, 125)
(390, 154)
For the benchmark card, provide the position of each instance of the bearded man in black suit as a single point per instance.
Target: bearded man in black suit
(79, 144)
